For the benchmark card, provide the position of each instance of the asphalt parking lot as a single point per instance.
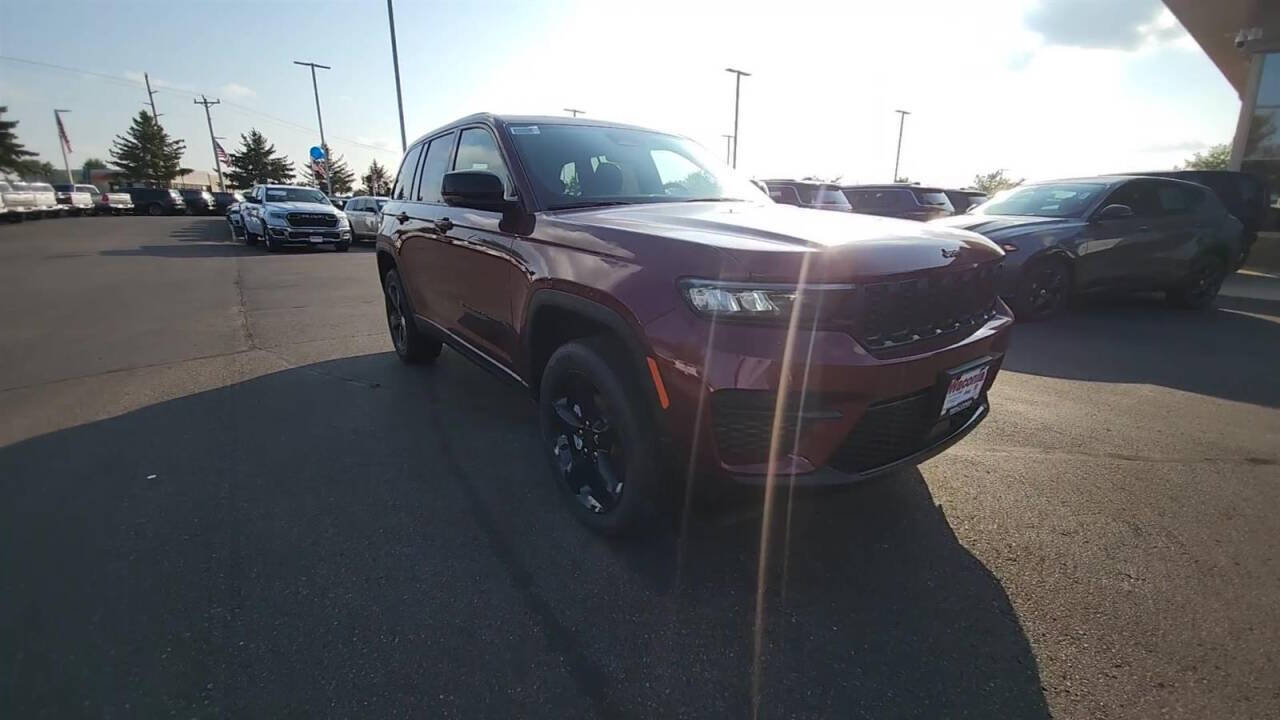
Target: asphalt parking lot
(225, 497)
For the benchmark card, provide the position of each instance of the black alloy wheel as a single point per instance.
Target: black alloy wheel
(412, 346)
(1044, 290)
(589, 456)
(1202, 284)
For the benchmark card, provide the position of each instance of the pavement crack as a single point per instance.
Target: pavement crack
(1127, 457)
(245, 328)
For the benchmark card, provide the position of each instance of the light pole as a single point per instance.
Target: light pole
(575, 112)
(328, 174)
(728, 145)
(902, 119)
(63, 143)
(395, 63)
(217, 164)
(737, 95)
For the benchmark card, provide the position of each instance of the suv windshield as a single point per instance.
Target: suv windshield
(296, 195)
(578, 166)
(1050, 200)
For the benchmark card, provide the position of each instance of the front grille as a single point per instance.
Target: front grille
(322, 220)
(743, 422)
(895, 429)
(898, 313)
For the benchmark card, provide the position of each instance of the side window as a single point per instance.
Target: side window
(477, 150)
(1178, 199)
(784, 194)
(1140, 196)
(404, 181)
(357, 205)
(434, 168)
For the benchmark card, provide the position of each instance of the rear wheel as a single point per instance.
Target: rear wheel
(412, 345)
(1201, 285)
(342, 246)
(155, 209)
(599, 439)
(1043, 290)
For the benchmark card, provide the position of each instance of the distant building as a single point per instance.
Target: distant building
(111, 179)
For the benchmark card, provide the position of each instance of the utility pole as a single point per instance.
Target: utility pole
(395, 63)
(151, 96)
(737, 96)
(328, 169)
(575, 112)
(62, 143)
(902, 119)
(206, 102)
(728, 144)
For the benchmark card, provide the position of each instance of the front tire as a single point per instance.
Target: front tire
(412, 345)
(599, 438)
(155, 209)
(342, 246)
(1201, 285)
(1043, 290)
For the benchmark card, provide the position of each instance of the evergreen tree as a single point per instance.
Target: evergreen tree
(376, 180)
(257, 162)
(12, 154)
(343, 178)
(146, 152)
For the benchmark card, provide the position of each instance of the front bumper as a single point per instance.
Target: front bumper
(308, 236)
(850, 415)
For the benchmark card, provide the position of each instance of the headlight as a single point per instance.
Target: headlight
(277, 215)
(762, 302)
(342, 220)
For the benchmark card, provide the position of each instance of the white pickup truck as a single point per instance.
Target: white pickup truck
(73, 199)
(19, 204)
(46, 201)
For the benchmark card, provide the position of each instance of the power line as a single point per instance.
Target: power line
(131, 83)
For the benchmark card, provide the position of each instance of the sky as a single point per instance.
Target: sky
(1041, 88)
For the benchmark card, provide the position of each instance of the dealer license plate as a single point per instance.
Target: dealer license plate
(317, 239)
(964, 389)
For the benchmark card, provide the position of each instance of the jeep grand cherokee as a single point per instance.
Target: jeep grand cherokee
(666, 315)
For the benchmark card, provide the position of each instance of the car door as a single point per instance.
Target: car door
(414, 219)
(478, 254)
(1118, 251)
(1179, 230)
(356, 215)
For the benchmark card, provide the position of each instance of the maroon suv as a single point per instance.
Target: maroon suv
(668, 317)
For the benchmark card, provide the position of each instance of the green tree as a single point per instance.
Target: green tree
(146, 152)
(91, 164)
(41, 171)
(256, 162)
(376, 180)
(12, 153)
(1214, 158)
(343, 178)
(993, 182)
(701, 184)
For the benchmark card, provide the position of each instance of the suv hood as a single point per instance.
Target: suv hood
(1006, 227)
(295, 206)
(768, 240)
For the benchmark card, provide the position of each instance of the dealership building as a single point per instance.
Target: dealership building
(1242, 37)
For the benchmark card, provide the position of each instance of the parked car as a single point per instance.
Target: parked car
(293, 215)
(157, 201)
(340, 201)
(1116, 232)
(223, 201)
(962, 201)
(807, 194)
(46, 201)
(598, 272)
(235, 221)
(365, 214)
(909, 202)
(72, 199)
(199, 202)
(20, 204)
(1245, 196)
(112, 203)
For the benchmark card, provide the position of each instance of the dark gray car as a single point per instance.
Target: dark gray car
(1129, 233)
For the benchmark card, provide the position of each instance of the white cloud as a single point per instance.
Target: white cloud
(236, 90)
(1177, 146)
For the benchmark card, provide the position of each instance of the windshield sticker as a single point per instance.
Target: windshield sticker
(525, 130)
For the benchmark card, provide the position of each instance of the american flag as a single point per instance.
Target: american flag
(62, 133)
(222, 154)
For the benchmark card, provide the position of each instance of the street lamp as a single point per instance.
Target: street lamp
(902, 119)
(728, 146)
(737, 94)
(328, 174)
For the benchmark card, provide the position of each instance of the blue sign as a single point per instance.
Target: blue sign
(317, 153)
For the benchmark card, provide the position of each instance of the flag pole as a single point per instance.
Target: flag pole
(63, 144)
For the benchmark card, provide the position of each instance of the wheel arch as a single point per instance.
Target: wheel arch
(555, 317)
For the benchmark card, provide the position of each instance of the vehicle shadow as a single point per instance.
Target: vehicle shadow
(357, 537)
(1139, 339)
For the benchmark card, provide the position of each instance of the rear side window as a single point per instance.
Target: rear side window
(434, 168)
(477, 150)
(932, 198)
(881, 199)
(1178, 199)
(404, 181)
(784, 194)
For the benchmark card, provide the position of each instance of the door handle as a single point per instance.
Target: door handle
(444, 225)
(402, 218)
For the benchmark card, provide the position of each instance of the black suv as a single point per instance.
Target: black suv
(157, 201)
(1245, 196)
(807, 194)
(909, 202)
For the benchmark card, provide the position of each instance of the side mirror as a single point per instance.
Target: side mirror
(253, 200)
(478, 189)
(1114, 212)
